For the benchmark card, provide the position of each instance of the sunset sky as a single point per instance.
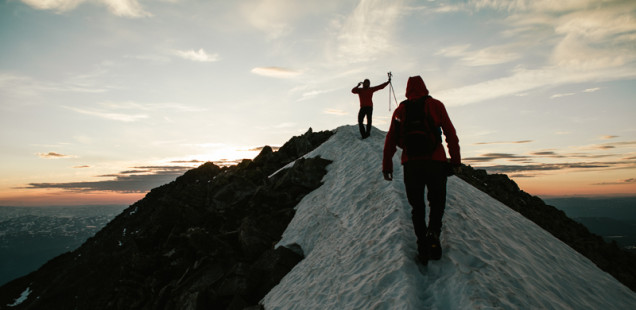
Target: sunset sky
(102, 100)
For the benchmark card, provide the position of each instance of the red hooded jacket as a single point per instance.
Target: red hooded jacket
(366, 94)
(415, 88)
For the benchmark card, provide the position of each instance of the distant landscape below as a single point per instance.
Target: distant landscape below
(30, 236)
(612, 218)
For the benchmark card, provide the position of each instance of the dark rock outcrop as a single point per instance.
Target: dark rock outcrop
(607, 256)
(203, 241)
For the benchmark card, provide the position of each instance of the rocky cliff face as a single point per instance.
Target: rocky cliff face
(204, 241)
(607, 256)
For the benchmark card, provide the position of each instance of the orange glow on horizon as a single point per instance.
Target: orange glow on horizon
(66, 198)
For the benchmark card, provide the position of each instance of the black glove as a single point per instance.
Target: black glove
(453, 169)
(388, 175)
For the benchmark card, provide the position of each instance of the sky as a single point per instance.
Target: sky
(103, 100)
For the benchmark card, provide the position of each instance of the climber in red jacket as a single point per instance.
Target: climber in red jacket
(423, 170)
(366, 103)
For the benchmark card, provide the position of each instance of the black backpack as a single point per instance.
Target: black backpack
(421, 136)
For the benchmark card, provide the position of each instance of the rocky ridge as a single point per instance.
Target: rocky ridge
(203, 241)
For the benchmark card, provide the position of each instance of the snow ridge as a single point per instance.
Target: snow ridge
(357, 237)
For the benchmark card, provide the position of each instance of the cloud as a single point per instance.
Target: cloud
(523, 80)
(367, 32)
(620, 182)
(591, 90)
(200, 55)
(314, 93)
(19, 89)
(336, 112)
(276, 72)
(193, 161)
(54, 155)
(505, 142)
(580, 41)
(131, 105)
(276, 18)
(285, 125)
(129, 111)
(123, 8)
(561, 95)
(507, 169)
(140, 180)
(608, 137)
(547, 154)
(495, 156)
(121, 117)
(488, 56)
(81, 167)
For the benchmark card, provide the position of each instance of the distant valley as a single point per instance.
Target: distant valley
(612, 218)
(30, 236)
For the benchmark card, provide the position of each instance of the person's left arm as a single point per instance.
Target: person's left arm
(452, 141)
(381, 86)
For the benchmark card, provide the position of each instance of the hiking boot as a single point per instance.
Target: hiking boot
(422, 253)
(435, 247)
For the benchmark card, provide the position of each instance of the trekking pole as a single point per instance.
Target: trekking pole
(391, 90)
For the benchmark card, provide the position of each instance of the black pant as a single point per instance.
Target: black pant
(432, 175)
(368, 112)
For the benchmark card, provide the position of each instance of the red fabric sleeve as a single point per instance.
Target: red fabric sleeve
(391, 141)
(381, 86)
(452, 141)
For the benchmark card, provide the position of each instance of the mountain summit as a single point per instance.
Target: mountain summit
(212, 240)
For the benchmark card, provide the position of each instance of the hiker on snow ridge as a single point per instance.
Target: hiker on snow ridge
(366, 103)
(423, 168)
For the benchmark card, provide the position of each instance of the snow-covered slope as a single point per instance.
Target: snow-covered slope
(357, 236)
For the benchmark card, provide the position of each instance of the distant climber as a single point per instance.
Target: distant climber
(366, 103)
(416, 128)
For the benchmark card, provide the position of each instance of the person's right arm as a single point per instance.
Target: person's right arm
(356, 89)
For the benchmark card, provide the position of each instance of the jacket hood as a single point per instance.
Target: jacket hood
(415, 88)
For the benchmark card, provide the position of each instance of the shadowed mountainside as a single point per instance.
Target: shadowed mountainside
(203, 241)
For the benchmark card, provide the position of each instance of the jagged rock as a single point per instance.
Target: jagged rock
(203, 241)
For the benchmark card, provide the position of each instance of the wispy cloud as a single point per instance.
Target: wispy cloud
(139, 180)
(123, 8)
(54, 155)
(335, 112)
(276, 72)
(201, 55)
(488, 56)
(523, 80)
(581, 41)
(619, 182)
(276, 19)
(367, 32)
(561, 95)
(496, 156)
(21, 88)
(122, 117)
(131, 105)
(507, 169)
(130, 111)
(505, 142)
